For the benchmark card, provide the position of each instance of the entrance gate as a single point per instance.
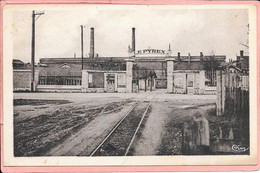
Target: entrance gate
(150, 74)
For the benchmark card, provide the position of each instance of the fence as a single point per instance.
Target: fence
(232, 93)
(232, 102)
(59, 80)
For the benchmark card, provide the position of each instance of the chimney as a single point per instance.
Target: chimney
(179, 57)
(92, 44)
(133, 39)
(189, 60)
(201, 56)
(241, 53)
(129, 49)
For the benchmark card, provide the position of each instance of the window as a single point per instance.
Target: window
(59, 80)
(211, 78)
(65, 65)
(190, 84)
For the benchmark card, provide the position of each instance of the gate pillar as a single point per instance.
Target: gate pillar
(170, 69)
(202, 82)
(84, 81)
(129, 75)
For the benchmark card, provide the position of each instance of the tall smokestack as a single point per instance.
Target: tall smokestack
(133, 39)
(92, 44)
(179, 57)
(189, 59)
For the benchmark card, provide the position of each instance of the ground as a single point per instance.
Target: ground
(74, 124)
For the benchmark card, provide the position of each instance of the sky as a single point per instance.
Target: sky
(211, 31)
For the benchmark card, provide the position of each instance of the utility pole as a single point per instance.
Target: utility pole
(81, 26)
(35, 16)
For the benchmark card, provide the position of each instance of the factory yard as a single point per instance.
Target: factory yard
(76, 124)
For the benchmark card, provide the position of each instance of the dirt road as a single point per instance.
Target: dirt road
(98, 113)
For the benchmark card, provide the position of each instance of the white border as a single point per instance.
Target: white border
(9, 160)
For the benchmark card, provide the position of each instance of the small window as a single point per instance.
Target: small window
(190, 83)
(65, 65)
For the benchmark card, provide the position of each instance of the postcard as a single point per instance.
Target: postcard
(127, 85)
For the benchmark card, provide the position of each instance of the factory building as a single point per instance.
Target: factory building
(143, 70)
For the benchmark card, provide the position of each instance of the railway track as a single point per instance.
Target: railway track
(119, 140)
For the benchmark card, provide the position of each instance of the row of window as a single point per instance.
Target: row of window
(59, 80)
(76, 80)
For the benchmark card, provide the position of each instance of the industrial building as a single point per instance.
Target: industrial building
(143, 70)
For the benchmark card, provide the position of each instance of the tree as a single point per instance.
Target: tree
(143, 73)
(93, 63)
(210, 65)
(152, 75)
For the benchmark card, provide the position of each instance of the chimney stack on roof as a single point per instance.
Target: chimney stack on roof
(133, 39)
(179, 57)
(92, 43)
(201, 56)
(241, 55)
(189, 59)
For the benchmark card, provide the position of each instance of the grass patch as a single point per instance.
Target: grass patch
(37, 102)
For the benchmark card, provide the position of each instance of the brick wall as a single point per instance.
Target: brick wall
(97, 80)
(21, 80)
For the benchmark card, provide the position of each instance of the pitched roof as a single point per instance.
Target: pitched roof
(234, 67)
(184, 65)
(17, 61)
(122, 59)
(72, 66)
(59, 71)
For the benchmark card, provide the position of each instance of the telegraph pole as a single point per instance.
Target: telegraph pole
(35, 16)
(81, 26)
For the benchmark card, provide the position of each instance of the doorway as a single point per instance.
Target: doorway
(110, 79)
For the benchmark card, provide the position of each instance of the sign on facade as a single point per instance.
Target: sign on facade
(121, 79)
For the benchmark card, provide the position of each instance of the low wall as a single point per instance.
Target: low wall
(195, 91)
(210, 91)
(101, 90)
(179, 91)
(121, 90)
(192, 91)
(98, 81)
(94, 90)
(59, 88)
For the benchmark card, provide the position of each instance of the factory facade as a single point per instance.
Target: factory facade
(143, 70)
